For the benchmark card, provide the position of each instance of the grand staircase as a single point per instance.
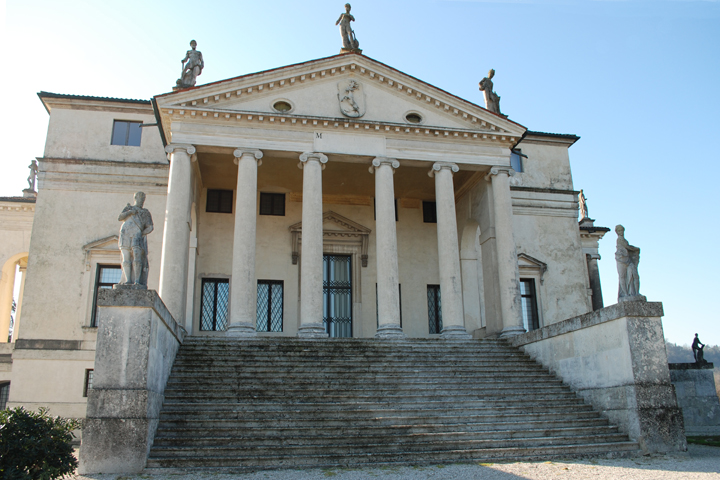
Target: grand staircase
(235, 405)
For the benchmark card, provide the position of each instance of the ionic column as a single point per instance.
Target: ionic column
(243, 287)
(176, 234)
(311, 258)
(448, 252)
(388, 297)
(508, 275)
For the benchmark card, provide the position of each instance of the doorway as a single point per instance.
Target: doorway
(337, 295)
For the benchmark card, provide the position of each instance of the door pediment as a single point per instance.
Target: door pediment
(336, 229)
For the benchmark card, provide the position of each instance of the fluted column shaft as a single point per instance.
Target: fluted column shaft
(388, 296)
(243, 289)
(176, 234)
(311, 258)
(448, 252)
(508, 275)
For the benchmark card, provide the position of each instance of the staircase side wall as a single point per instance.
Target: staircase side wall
(615, 359)
(136, 347)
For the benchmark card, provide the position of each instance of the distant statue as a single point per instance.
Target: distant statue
(697, 349)
(349, 42)
(583, 206)
(192, 69)
(33, 175)
(627, 258)
(492, 99)
(137, 224)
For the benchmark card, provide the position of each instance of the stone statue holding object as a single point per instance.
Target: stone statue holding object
(349, 42)
(492, 99)
(627, 258)
(192, 69)
(137, 224)
(697, 349)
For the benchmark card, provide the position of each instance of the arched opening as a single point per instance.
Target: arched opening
(7, 287)
(472, 279)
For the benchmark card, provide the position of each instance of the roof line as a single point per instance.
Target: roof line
(43, 95)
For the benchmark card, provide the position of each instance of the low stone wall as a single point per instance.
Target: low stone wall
(615, 359)
(137, 342)
(697, 397)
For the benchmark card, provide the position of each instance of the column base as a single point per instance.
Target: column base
(241, 329)
(454, 332)
(512, 331)
(312, 330)
(390, 332)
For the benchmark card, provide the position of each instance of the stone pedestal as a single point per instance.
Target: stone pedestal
(697, 396)
(137, 340)
(311, 259)
(243, 286)
(448, 252)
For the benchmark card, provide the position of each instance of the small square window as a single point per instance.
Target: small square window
(88, 381)
(429, 212)
(272, 204)
(107, 276)
(219, 201)
(126, 133)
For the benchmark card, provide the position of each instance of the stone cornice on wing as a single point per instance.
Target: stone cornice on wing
(213, 102)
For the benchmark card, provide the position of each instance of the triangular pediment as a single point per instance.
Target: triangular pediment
(335, 222)
(382, 99)
(108, 243)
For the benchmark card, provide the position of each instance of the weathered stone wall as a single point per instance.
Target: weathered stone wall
(697, 396)
(615, 359)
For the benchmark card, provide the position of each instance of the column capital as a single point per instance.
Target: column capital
(171, 147)
(307, 156)
(239, 152)
(437, 166)
(379, 161)
(498, 170)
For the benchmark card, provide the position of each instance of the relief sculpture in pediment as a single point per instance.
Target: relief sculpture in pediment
(352, 98)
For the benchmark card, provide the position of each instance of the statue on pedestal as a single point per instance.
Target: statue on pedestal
(192, 68)
(33, 175)
(583, 206)
(137, 224)
(349, 42)
(627, 258)
(697, 349)
(492, 99)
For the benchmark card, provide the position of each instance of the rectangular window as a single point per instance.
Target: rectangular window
(377, 308)
(4, 394)
(529, 304)
(88, 381)
(106, 277)
(429, 212)
(272, 204)
(375, 209)
(214, 304)
(516, 160)
(269, 306)
(126, 133)
(219, 201)
(434, 308)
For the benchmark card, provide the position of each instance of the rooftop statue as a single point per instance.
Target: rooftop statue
(583, 206)
(349, 42)
(33, 175)
(192, 69)
(492, 99)
(627, 258)
(137, 224)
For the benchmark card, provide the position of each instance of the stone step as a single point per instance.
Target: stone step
(348, 369)
(326, 382)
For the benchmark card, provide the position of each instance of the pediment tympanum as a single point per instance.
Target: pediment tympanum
(531, 266)
(337, 230)
(103, 246)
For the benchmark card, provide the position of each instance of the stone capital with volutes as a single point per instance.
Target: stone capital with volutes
(438, 166)
(173, 147)
(380, 161)
(240, 152)
(317, 156)
(494, 171)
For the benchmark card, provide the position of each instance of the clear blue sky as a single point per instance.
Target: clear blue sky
(637, 80)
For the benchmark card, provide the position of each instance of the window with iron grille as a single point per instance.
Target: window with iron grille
(214, 304)
(429, 212)
(529, 304)
(106, 277)
(88, 381)
(377, 308)
(219, 201)
(272, 204)
(126, 133)
(4, 394)
(269, 306)
(375, 209)
(434, 308)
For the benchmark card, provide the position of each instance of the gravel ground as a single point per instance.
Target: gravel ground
(700, 463)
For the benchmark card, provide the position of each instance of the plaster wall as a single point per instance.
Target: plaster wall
(86, 134)
(547, 165)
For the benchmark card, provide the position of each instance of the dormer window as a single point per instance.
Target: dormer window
(126, 133)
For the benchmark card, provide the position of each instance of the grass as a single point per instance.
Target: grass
(713, 441)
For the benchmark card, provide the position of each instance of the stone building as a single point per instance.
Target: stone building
(334, 197)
